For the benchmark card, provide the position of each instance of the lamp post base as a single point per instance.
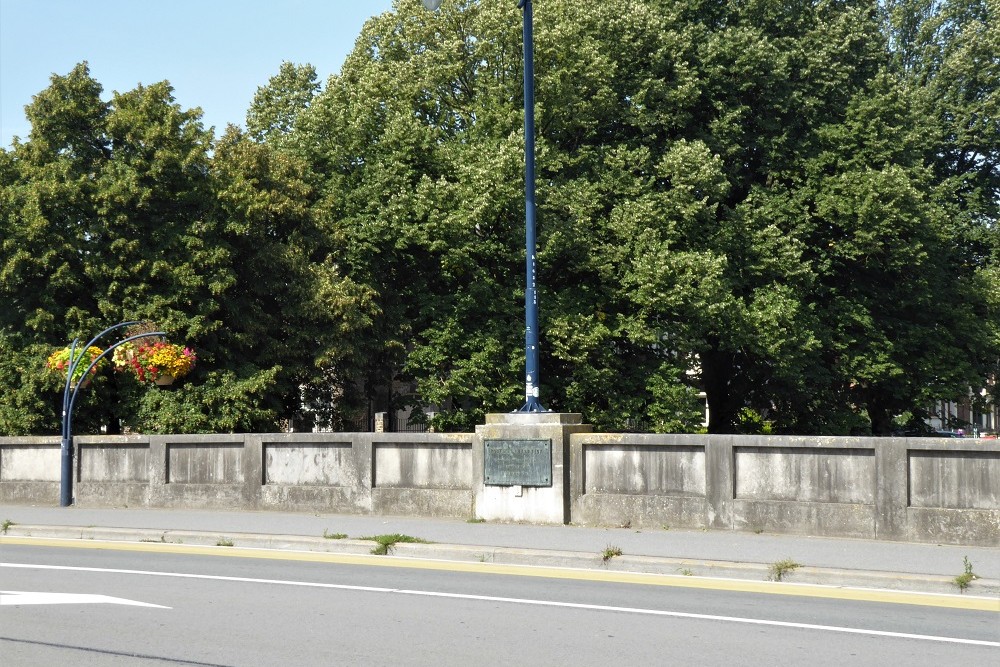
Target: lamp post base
(532, 405)
(66, 477)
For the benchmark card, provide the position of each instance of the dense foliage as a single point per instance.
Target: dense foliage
(791, 206)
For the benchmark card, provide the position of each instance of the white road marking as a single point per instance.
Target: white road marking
(19, 598)
(541, 603)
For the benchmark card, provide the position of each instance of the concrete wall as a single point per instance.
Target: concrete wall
(908, 489)
(905, 489)
(355, 473)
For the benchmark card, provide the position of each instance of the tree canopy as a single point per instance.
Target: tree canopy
(791, 207)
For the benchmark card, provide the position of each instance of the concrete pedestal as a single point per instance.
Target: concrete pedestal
(534, 504)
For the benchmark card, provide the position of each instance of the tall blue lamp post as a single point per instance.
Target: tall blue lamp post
(531, 380)
(70, 390)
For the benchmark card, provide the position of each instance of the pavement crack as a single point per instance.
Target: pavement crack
(126, 654)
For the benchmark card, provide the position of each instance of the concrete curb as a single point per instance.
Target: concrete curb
(802, 574)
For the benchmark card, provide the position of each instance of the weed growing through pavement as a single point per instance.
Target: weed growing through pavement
(5, 526)
(686, 572)
(610, 552)
(162, 540)
(385, 543)
(224, 543)
(963, 580)
(334, 536)
(781, 568)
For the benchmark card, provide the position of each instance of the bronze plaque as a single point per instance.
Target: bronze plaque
(518, 462)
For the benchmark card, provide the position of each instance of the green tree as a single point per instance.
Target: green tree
(674, 202)
(732, 196)
(947, 58)
(291, 313)
(792, 206)
(421, 198)
(118, 211)
(276, 106)
(48, 182)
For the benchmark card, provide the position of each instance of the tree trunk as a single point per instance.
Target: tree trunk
(717, 374)
(880, 416)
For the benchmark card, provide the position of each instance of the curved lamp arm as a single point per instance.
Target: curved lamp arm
(69, 399)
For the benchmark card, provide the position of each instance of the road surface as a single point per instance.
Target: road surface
(152, 604)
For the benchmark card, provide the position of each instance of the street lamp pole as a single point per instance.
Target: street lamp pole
(531, 379)
(70, 390)
(531, 365)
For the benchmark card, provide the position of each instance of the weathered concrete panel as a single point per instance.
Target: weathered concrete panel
(422, 465)
(30, 463)
(719, 478)
(201, 496)
(805, 518)
(890, 488)
(113, 463)
(639, 470)
(315, 498)
(641, 511)
(116, 494)
(954, 479)
(30, 493)
(953, 526)
(204, 463)
(303, 464)
(805, 474)
(445, 503)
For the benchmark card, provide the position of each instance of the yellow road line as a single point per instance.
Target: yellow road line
(968, 602)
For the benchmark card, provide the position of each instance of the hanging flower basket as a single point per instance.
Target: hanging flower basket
(59, 363)
(158, 363)
(122, 357)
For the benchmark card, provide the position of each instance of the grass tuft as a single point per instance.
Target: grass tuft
(778, 570)
(610, 552)
(967, 577)
(385, 543)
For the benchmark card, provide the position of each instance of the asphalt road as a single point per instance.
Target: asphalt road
(218, 606)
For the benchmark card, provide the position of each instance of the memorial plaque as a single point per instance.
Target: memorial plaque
(518, 462)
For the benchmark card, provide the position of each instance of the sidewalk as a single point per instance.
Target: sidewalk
(839, 562)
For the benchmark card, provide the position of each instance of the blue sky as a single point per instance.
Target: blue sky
(215, 53)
